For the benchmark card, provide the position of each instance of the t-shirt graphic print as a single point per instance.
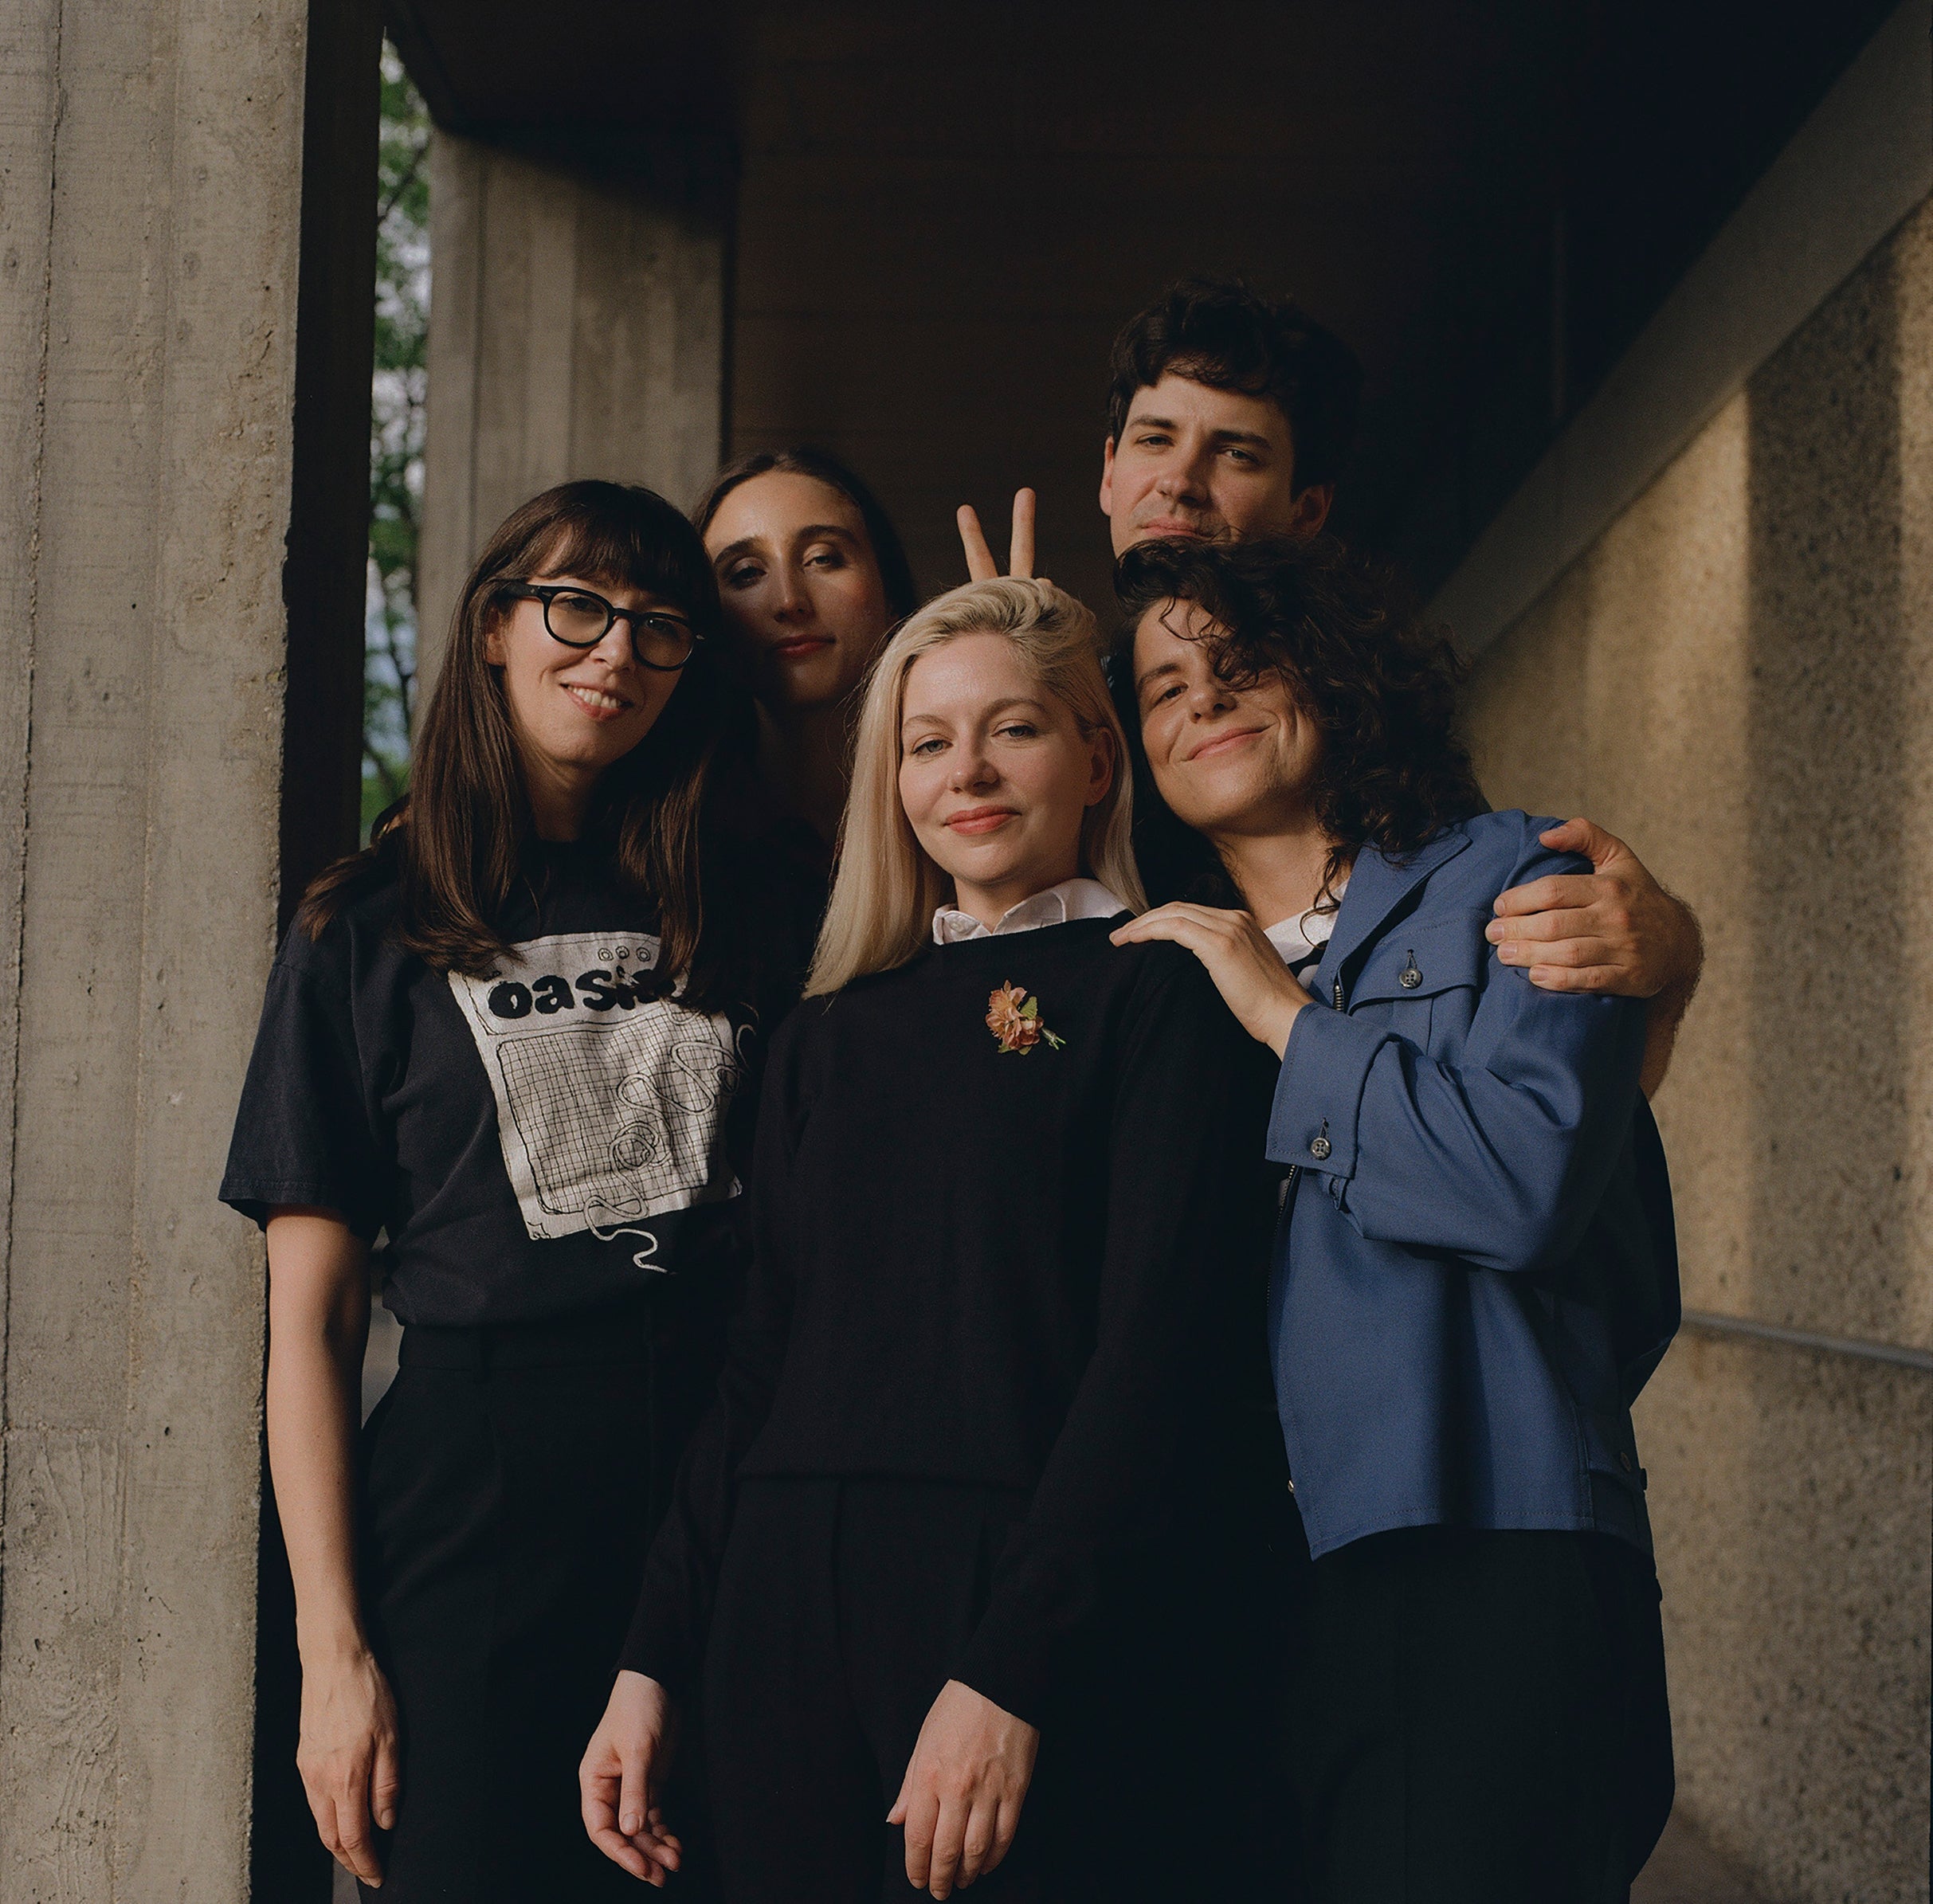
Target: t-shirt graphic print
(611, 1105)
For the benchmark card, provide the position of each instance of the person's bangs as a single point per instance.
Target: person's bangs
(1167, 575)
(626, 550)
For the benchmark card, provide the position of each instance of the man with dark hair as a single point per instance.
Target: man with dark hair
(1229, 417)
(1229, 414)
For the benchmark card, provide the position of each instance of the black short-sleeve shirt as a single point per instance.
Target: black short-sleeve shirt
(548, 1141)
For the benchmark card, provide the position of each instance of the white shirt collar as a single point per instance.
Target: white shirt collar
(1302, 933)
(1058, 906)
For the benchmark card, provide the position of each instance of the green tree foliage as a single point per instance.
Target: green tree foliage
(398, 407)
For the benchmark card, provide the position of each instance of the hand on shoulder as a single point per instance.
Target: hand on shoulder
(1614, 929)
(1246, 969)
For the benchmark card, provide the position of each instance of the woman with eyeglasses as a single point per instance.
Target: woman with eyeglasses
(512, 1040)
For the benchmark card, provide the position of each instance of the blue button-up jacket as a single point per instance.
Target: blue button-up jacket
(1475, 1270)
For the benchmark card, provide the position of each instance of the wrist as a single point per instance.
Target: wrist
(1282, 1021)
(641, 1695)
(1690, 960)
(1667, 1008)
(334, 1646)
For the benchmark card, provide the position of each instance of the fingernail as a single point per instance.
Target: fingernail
(630, 1824)
(1493, 931)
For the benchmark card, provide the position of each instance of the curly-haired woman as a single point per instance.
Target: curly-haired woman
(1473, 1273)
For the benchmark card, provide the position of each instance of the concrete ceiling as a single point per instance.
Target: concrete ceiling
(1488, 200)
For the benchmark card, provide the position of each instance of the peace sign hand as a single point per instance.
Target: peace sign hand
(980, 564)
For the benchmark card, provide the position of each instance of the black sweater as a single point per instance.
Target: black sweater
(1022, 1268)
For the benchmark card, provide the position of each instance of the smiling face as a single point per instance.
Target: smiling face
(1230, 761)
(801, 587)
(574, 710)
(995, 775)
(1195, 461)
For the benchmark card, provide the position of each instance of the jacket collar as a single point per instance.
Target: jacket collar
(1377, 887)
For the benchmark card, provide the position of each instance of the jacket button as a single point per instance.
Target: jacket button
(1626, 1462)
(1319, 1147)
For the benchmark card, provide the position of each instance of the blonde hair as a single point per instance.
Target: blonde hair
(887, 889)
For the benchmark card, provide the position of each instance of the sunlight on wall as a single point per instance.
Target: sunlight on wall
(1738, 677)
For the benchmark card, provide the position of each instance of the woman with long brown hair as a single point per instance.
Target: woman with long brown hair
(812, 576)
(510, 1040)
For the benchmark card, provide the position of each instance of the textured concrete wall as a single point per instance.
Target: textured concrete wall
(1737, 676)
(151, 153)
(577, 329)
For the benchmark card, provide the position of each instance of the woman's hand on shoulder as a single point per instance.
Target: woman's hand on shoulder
(346, 1753)
(621, 1775)
(961, 1799)
(1249, 973)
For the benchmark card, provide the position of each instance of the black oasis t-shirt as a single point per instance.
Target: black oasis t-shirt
(547, 1142)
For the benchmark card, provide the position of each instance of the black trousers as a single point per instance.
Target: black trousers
(511, 1479)
(1479, 1717)
(841, 1605)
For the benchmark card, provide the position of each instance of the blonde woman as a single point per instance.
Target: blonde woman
(920, 1584)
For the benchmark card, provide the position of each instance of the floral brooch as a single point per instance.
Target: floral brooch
(1014, 1019)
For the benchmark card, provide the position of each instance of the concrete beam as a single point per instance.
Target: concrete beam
(149, 264)
(577, 328)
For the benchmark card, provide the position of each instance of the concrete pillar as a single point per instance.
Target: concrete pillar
(151, 252)
(577, 328)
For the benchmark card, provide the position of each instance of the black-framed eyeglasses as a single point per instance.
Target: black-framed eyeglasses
(582, 618)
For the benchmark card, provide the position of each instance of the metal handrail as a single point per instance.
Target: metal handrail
(1709, 1323)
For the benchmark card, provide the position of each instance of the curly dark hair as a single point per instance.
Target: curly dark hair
(1379, 681)
(1223, 333)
